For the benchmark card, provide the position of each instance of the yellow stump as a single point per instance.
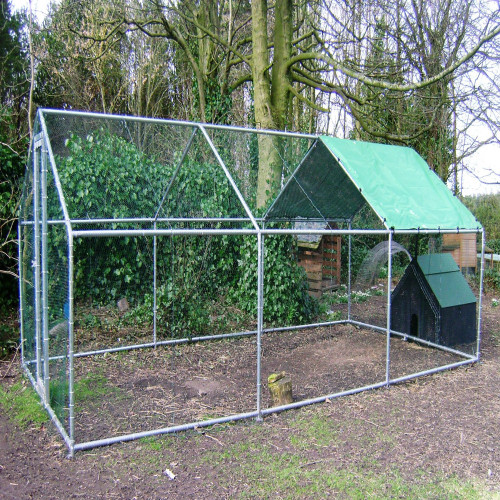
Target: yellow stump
(280, 387)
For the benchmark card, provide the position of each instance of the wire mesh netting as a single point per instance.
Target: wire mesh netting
(27, 272)
(138, 233)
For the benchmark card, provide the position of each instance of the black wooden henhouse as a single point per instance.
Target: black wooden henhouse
(434, 302)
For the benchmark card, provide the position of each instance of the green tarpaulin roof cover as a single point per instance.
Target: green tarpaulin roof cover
(338, 177)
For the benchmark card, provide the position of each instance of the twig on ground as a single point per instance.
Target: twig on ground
(12, 361)
(214, 438)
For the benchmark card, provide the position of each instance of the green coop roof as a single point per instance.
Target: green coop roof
(338, 177)
(445, 279)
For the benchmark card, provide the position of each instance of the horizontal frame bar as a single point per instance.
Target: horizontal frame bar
(153, 232)
(160, 121)
(106, 233)
(267, 411)
(50, 411)
(187, 340)
(417, 340)
(165, 430)
(101, 233)
(144, 220)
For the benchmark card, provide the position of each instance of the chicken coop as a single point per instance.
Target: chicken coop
(433, 301)
(159, 288)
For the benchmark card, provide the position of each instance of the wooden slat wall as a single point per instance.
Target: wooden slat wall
(463, 249)
(322, 266)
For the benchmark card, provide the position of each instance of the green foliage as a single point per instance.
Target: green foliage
(494, 245)
(491, 279)
(286, 300)
(486, 209)
(14, 83)
(104, 175)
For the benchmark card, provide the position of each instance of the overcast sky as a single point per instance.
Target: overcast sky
(487, 158)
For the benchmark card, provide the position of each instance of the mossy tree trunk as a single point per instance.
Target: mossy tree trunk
(271, 93)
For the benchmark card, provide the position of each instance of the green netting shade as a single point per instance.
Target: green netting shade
(338, 176)
(319, 189)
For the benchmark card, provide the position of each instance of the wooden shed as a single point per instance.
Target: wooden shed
(320, 256)
(463, 249)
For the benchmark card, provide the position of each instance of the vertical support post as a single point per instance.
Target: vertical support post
(21, 289)
(45, 281)
(71, 322)
(260, 317)
(480, 301)
(154, 284)
(389, 281)
(36, 217)
(349, 275)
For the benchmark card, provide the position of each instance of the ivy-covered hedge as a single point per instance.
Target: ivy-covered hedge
(105, 176)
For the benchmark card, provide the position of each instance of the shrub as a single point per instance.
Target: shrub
(286, 300)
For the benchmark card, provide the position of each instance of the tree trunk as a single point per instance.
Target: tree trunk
(271, 97)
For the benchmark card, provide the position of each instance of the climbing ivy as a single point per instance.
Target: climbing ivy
(106, 176)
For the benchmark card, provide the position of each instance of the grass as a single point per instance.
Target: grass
(22, 404)
(314, 432)
(298, 468)
(266, 473)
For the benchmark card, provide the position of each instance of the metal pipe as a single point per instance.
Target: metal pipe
(177, 122)
(388, 330)
(176, 172)
(406, 336)
(45, 281)
(480, 304)
(69, 235)
(96, 233)
(321, 399)
(349, 273)
(433, 370)
(49, 410)
(71, 342)
(165, 430)
(187, 340)
(20, 291)
(171, 220)
(37, 264)
(101, 233)
(260, 317)
(141, 220)
(221, 336)
(368, 231)
(155, 267)
(229, 177)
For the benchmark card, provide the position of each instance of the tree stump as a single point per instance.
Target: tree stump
(280, 387)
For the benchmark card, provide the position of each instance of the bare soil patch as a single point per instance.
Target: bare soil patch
(155, 388)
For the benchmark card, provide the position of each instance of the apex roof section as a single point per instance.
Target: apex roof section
(338, 176)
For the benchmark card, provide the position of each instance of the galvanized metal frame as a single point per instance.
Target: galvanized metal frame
(259, 231)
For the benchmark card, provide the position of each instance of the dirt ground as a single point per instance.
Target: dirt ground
(444, 426)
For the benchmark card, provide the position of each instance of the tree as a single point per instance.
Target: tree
(14, 89)
(308, 54)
